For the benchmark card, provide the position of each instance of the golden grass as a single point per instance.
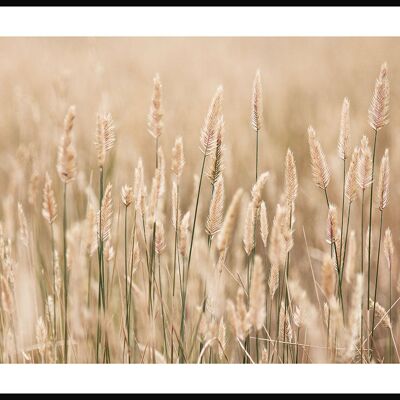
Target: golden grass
(116, 248)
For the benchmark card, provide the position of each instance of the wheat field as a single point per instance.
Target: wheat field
(199, 200)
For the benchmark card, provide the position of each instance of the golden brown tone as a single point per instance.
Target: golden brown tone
(121, 242)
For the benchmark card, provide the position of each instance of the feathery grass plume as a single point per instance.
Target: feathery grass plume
(285, 327)
(364, 165)
(216, 210)
(23, 226)
(309, 316)
(41, 336)
(287, 232)
(160, 238)
(351, 177)
(33, 187)
(233, 319)
(331, 226)
(336, 324)
(326, 314)
(109, 252)
(7, 297)
(154, 195)
(355, 315)
(105, 136)
(242, 313)
(297, 317)
(248, 234)
(388, 248)
(277, 246)
(328, 277)
(382, 197)
(319, 166)
(256, 103)
(351, 259)
(257, 311)
(138, 186)
(154, 121)
(184, 234)
(175, 211)
(66, 159)
(221, 338)
(226, 233)
(291, 183)
(208, 138)
(264, 229)
(378, 112)
(217, 159)
(256, 191)
(383, 183)
(344, 135)
(142, 205)
(126, 195)
(178, 158)
(49, 204)
(50, 309)
(381, 314)
(90, 229)
(161, 166)
(106, 211)
(273, 281)
(221, 263)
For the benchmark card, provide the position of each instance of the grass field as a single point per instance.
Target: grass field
(199, 200)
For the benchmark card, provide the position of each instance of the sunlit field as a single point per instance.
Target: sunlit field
(199, 200)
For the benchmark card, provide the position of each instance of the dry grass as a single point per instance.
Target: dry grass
(140, 224)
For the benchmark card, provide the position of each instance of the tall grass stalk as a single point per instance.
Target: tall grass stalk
(101, 290)
(362, 273)
(377, 272)
(65, 275)
(370, 215)
(342, 213)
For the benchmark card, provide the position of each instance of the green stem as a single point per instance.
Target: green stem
(370, 217)
(131, 305)
(65, 277)
(362, 273)
(337, 258)
(54, 284)
(257, 134)
(377, 273)
(183, 314)
(162, 306)
(126, 278)
(341, 226)
(100, 301)
(390, 312)
(152, 264)
(297, 345)
(176, 238)
(345, 245)
(195, 211)
(156, 152)
(270, 327)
